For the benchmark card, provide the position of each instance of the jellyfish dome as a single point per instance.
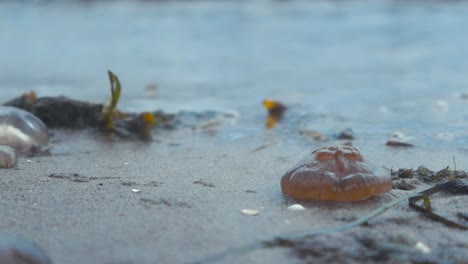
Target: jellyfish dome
(21, 130)
(334, 173)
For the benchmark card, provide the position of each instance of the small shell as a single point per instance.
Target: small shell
(136, 190)
(423, 248)
(296, 207)
(7, 157)
(21, 130)
(250, 212)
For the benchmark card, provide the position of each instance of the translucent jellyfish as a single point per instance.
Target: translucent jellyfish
(16, 250)
(7, 157)
(335, 174)
(21, 130)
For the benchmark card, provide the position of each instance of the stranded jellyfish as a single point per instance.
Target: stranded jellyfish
(7, 157)
(21, 130)
(334, 174)
(17, 250)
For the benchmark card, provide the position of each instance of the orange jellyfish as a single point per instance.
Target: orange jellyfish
(334, 174)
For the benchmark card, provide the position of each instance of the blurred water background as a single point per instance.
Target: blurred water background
(373, 66)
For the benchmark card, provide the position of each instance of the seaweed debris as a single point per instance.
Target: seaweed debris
(454, 186)
(408, 179)
(63, 112)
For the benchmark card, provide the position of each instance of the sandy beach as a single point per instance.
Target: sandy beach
(78, 203)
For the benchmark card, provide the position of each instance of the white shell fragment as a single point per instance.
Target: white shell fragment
(423, 248)
(296, 207)
(7, 157)
(250, 212)
(21, 130)
(136, 190)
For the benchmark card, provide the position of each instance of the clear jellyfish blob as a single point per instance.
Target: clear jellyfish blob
(21, 130)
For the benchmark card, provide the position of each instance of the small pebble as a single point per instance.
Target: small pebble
(136, 190)
(250, 212)
(398, 139)
(296, 207)
(396, 143)
(346, 134)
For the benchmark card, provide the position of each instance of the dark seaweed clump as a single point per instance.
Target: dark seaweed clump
(409, 179)
(63, 112)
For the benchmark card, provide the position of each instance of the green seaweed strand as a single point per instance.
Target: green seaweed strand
(115, 95)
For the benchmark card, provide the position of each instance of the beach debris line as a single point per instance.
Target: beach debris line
(334, 173)
(63, 112)
(163, 201)
(204, 183)
(275, 111)
(74, 177)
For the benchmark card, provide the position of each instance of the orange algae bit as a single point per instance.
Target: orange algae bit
(275, 112)
(147, 120)
(335, 173)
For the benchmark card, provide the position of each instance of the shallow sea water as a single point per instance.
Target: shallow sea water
(373, 67)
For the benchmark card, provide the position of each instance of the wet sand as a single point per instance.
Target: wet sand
(78, 203)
